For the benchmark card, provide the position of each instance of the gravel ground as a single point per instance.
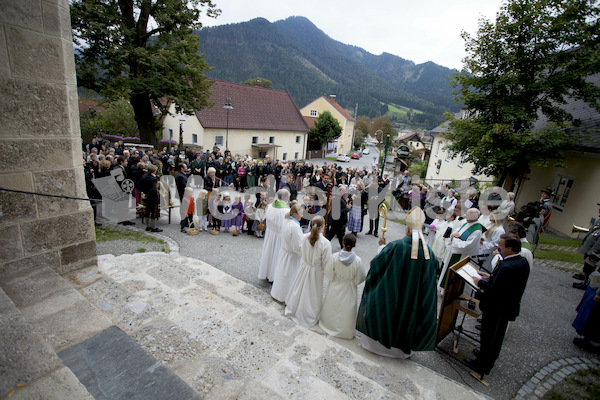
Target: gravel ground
(541, 334)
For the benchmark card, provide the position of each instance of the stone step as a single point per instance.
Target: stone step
(227, 339)
(47, 316)
(29, 366)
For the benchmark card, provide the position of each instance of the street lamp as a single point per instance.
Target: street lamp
(228, 107)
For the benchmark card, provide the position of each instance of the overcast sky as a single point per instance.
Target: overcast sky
(416, 30)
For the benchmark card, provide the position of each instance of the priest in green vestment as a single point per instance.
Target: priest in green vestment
(397, 312)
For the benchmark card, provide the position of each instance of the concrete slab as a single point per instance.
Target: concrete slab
(113, 366)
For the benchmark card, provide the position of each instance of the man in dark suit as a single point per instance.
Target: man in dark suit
(500, 301)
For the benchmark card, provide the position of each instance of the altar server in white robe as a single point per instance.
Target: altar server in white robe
(306, 295)
(274, 217)
(291, 254)
(345, 270)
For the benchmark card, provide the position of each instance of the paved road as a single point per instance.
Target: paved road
(541, 334)
(364, 161)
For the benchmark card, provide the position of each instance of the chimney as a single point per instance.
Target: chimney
(332, 98)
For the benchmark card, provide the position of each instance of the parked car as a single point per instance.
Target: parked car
(343, 157)
(356, 155)
(366, 151)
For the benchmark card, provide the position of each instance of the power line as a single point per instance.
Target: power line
(50, 195)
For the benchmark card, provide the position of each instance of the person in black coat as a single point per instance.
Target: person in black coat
(290, 186)
(500, 300)
(148, 186)
(181, 180)
(337, 227)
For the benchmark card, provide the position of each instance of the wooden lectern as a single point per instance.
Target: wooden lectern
(456, 300)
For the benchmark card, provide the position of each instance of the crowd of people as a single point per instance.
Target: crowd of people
(298, 208)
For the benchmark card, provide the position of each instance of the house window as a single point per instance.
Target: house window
(296, 155)
(313, 113)
(461, 159)
(562, 187)
(254, 139)
(194, 138)
(437, 149)
(219, 140)
(170, 133)
(448, 155)
(271, 139)
(298, 138)
(284, 158)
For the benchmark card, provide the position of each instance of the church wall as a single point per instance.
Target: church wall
(40, 142)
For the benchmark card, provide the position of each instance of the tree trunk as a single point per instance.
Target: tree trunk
(147, 124)
(502, 178)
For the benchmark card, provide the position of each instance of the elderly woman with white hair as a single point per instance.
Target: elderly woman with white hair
(507, 207)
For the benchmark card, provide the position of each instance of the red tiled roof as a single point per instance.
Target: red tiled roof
(85, 104)
(339, 108)
(310, 121)
(253, 108)
(408, 136)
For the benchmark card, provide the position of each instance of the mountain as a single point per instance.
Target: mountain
(300, 58)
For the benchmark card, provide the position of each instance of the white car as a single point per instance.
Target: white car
(343, 157)
(366, 151)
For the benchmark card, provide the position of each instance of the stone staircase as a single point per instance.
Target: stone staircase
(181, 324)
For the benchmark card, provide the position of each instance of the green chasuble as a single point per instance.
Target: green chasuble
(279, 204)
(399, 303)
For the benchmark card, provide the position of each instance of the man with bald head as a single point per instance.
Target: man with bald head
(465, 242)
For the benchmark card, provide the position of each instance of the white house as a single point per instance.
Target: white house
(246, 120)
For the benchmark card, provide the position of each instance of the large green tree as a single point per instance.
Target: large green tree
(519, 71)
(145, 51)
(325, 130)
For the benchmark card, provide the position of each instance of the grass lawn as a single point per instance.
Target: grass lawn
(583, 384)
(552, 240)
(400, 110)
(104, 234)
(558, 255)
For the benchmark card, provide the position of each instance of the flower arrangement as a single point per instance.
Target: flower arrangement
(170, 141)
(111, 137)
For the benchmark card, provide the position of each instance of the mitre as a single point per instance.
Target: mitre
(414, 221)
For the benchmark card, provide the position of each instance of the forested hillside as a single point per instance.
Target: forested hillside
(298, 57)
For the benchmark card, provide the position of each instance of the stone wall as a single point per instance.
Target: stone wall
(40, 142)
